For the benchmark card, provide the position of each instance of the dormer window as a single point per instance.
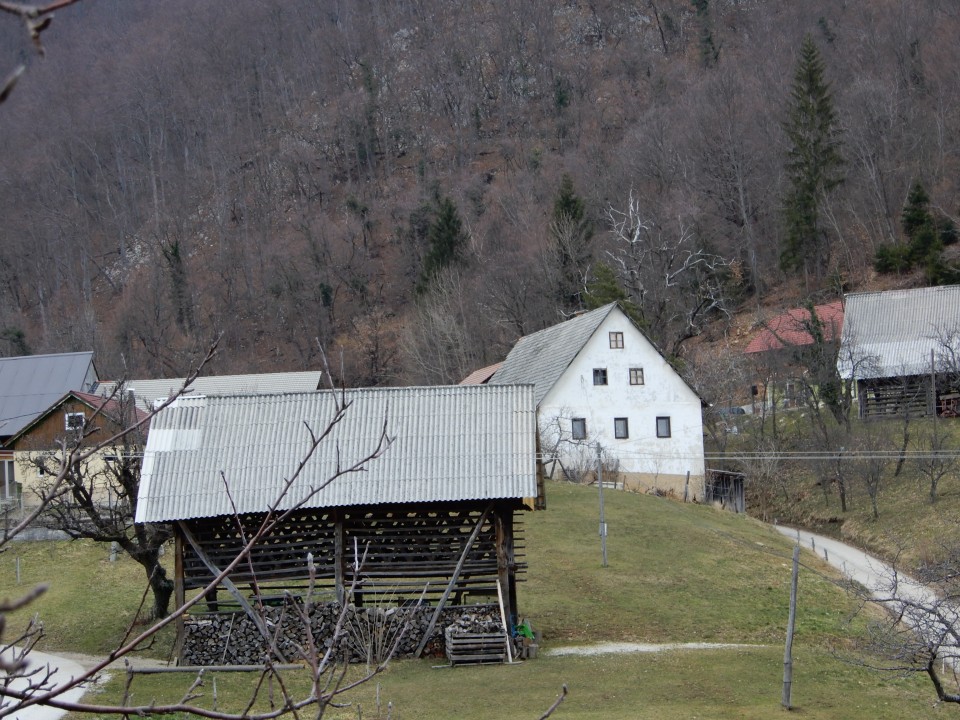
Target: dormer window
(74, 421)
(616, 341)
(599, 376)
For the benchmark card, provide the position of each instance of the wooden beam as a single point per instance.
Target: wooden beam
(505, 561)
(179, 594)
(338, 557)
(453, 579)
(232, 589)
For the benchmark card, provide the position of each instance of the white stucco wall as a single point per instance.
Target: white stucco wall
(643, 457)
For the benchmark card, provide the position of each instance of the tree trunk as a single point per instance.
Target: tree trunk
(162, 587)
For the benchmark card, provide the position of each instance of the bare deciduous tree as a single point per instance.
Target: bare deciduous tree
(677, 285)
(43, 687)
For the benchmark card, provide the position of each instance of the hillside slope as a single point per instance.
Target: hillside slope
(272, 172)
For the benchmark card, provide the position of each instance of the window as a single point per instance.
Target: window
(663, 427)
(579, 428)
(74, 421)
(636, 376)
(7, 486)
(621, 429)
(599, 376)
(616, 341)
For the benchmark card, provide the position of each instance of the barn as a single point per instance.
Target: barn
(372, 496)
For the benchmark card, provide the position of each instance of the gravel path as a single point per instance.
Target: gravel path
(613, 648)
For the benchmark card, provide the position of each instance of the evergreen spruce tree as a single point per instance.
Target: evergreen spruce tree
(604, 287)
(447, 239)
(709, 52)
(572, 233)
(813, 163)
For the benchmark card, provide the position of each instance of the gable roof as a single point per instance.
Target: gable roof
(542, 357)
(792, 328)
(481, 376)
(148, 391)
(891, 333)
(110, 409)
(30, 384)
(448, 443)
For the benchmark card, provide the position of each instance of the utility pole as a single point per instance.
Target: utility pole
(603, 524)
(786, 699)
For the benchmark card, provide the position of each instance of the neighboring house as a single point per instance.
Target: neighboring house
(598, 381)
(29, 385)
(457, 458)
(148, 392)
(481, 376)
(40, 448)
(776, 352)
(902, 348)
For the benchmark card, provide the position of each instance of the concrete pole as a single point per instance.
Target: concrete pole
(603, 523)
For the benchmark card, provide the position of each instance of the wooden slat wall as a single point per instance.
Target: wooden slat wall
(409, 546)
(895, 397)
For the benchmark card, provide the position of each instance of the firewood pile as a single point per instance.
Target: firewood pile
(367, 635)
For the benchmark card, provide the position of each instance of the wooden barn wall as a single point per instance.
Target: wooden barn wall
(47, 434)
(406, 546)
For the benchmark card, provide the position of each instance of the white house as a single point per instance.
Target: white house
(598, 381)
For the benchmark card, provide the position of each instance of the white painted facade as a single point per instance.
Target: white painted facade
(643, 460)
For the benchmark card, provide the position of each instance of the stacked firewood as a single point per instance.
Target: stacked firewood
(367, 634)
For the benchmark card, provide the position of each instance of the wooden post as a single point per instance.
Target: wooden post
(179, 595)
(338, 537)
(505, 561)
(791, 619)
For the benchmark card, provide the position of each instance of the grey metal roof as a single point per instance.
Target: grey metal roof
(891, 333)
(542, 357)
(30, 384)
(147, 391)
(448, 443)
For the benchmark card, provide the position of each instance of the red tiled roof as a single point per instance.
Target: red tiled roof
(104, 405)
(481, 376)
(790, 329)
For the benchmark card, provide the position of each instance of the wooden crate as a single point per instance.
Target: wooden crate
(473, 648)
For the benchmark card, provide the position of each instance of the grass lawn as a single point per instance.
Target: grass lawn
(677, 573)
(910, 526)
(90, 602)
(743, 683)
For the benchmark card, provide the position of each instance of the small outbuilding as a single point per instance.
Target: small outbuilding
(406, 489)
(902, 349)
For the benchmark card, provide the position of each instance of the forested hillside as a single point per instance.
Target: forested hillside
(420, 182)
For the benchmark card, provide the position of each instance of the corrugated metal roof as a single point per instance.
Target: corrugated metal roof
(30, 384)
(147, 391)
(448, 443)
(891, 333)
(542, 357)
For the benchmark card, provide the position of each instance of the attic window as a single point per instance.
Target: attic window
(636, 376)
(599, 376)
(74, 421)
(616, 341)
(578, 428)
